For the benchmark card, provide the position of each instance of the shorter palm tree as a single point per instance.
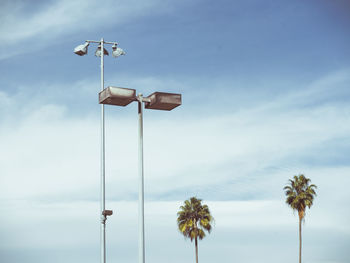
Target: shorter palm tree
(299, 196)
(193, 219)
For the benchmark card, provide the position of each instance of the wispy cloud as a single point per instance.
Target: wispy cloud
(30, 26)
(264, 144)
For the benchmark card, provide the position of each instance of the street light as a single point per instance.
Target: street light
(157, 101)
(82, 50)
(98, 51)
(117, 51)
(117, 96)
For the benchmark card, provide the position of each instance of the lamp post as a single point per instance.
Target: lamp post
(157, 101)
(82, 50)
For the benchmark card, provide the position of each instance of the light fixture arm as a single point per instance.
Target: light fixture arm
(100, 42)
(143, 99)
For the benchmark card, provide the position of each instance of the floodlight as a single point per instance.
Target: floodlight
(82, 50)
(117, 96)
(163, 101)
(98, 51)
(117, 51)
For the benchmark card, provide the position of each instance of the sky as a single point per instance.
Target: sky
(264, 85)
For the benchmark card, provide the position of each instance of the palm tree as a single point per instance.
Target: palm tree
(193, 218)
(299, 196)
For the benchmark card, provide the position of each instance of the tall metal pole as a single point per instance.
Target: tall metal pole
(141, 185)
(81, 50)
(103, 217)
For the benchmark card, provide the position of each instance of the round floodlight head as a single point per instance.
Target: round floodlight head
(82, 50)
(98, 51)
(117, 51)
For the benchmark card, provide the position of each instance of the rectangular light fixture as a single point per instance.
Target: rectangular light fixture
(163, 101)
(117, 96)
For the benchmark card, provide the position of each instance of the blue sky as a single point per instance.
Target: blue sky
(265, 86)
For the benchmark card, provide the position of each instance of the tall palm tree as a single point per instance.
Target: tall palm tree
(193, 218)
(299, 196)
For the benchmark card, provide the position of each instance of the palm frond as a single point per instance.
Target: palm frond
(299, 194)
(194, 219)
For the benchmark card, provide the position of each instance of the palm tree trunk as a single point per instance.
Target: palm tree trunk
(196, 242)
(300, 219)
